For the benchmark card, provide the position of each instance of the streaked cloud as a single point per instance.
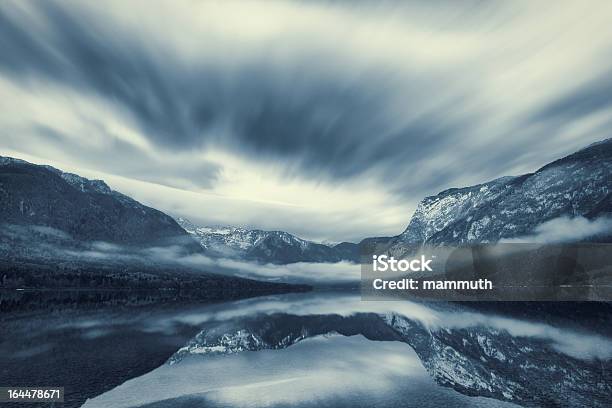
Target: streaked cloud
(326, 119)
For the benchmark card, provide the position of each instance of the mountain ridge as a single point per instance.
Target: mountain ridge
(263, 246)
(86, 210)
(577, 185)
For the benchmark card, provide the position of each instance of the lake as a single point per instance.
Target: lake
(330, 349)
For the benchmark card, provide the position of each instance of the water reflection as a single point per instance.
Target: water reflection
(324, 371)
(92, 343)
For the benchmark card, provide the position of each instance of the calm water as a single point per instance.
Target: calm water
(317, 372)
(111, 350)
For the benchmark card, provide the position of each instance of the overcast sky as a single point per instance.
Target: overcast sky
(327, 119)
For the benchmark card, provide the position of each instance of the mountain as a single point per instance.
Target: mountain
(265, 246)
(62, 230)
(82, 210)
(579, 185)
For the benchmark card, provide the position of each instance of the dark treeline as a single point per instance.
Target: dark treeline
(13, 301)
(161, 282)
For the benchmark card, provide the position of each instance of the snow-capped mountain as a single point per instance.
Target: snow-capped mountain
(579, 185)
(265, 246)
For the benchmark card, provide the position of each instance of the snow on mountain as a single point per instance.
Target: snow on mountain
(579, 185)
(264, 246)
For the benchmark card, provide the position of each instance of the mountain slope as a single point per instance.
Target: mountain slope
(577, 185)
(82, 209)
(265, 246)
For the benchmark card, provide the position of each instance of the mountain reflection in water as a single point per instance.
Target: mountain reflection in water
(286, 350)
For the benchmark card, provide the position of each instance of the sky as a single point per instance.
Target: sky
(326, 119)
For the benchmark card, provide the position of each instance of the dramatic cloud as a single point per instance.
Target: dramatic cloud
(326, 119)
